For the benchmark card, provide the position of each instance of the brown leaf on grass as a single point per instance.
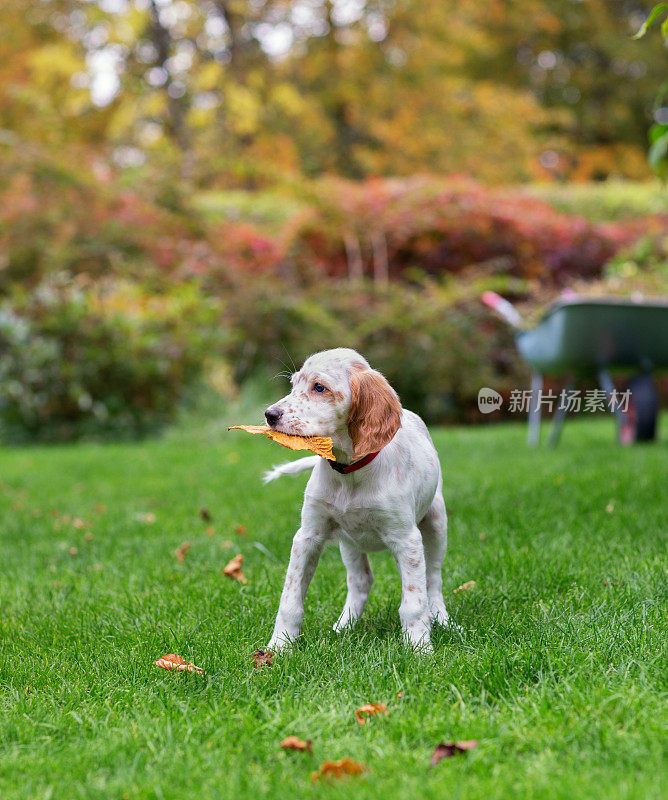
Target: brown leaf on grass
(73, 551)
(370, 708)
(88, 536)
(79, 523)
(241, 530)
(449, 749)
(320, 445)
(210, 530)
(295, 743)
(205, 514)
(173, 661)
(100, 508)
(262, 658)
(465, 587)
(339, 769)
(233, 569)
(182, 551)
(226, 544)
(146, 516)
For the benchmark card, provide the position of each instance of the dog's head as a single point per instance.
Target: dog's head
(337, 394)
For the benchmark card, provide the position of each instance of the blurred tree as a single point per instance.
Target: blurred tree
(43, 72)
(579, 59)
(227, 91)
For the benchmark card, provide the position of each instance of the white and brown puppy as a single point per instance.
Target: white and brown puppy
(383, 492)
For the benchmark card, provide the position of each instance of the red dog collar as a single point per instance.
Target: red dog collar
(344, 469)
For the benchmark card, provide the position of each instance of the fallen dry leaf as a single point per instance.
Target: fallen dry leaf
(73, 551)
(338, 769)
(262, 658)
(205, 514)
(226, 544)
(610, 507)
(210, 530)
(449, 749)
(233, 569)
(182, 551)
(465, 586)
(295, 743)
(100, 508)
(320, 445)
(88, 536)
(79, 523)
(172, 661)
(370, 708)
(146, 516)
(241, 530)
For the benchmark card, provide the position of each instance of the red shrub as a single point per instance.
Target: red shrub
(444, 226)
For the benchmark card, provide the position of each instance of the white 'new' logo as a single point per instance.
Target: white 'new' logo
(489, 400)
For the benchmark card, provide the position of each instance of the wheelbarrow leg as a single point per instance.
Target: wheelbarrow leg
(560, 415)
(534, 409)
(608, 387)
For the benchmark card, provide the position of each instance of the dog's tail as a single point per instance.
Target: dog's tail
(291, 468)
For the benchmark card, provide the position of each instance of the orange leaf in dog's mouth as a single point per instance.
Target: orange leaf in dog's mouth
(320, 445)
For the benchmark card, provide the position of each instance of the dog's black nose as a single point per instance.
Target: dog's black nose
(272, 415)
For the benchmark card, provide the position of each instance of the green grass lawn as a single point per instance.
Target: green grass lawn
(560, 672)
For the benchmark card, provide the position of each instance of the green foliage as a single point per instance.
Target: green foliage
(658, 133)
(436, 346)
(79, 359)
(658, 11)
(607, 201)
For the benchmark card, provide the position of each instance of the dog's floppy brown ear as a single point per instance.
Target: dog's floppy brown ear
(375, 411)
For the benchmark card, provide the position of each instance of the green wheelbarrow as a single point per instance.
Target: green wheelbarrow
(584, 337)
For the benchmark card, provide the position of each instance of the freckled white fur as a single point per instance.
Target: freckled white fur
(395, 503)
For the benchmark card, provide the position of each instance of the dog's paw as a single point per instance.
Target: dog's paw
(280, 644)
(424, 647)
(346, 621)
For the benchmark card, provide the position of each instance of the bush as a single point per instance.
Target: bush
(436, 347)
(436, 226)
(78, 359)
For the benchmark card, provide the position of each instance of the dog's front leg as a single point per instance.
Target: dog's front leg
(307, 546)
(414, 609)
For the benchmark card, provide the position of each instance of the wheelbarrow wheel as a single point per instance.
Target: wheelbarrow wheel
(638, 422)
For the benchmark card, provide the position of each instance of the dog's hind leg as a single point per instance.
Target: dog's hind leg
(360, 578)
(433, 528)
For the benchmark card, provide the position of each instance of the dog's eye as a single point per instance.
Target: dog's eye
(319, 388)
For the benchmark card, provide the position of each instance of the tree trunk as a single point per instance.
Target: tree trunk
(353, 256)
(381, 268)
